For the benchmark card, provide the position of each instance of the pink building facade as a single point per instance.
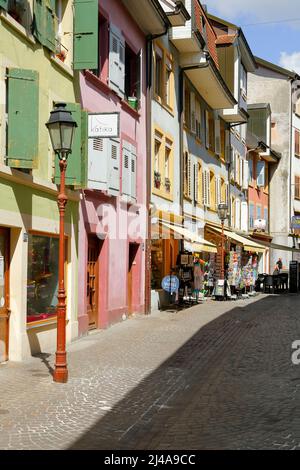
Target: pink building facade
(112, 250)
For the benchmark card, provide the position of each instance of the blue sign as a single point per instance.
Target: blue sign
(170, 284)
(295, 222)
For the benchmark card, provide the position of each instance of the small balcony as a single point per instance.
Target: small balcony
(176, 12)
(187, 38)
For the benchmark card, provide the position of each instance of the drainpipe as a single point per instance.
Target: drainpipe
(149, 52)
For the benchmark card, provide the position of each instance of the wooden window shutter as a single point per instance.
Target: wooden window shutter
(113, 181)
(232, 163)
(39, 20)
(4, 4)
(116, 61)
(121, 92)
(216, 191)
(296, 188)
(217, 137)
(237, 168)
(198, 119)
(200, 184)
(227, 188)
(51, 25)
(207, 129)
(77, 161)
(97, 163)
(244, 216)
(23, 118)
(297, 142)
(126, 169)
(193, 112)
(237, 214)
(133, 172)
(208, 194)
(196, 183)
(189, 177)
(245, 174)
(86, 34)
(241, 173)
(45, 23)
(204, 201)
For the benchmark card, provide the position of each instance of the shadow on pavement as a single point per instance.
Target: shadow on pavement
(221, 389)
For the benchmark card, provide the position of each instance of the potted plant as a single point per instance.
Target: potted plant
(61, 55)
(168, 184)
(133, 102)
(157, 179)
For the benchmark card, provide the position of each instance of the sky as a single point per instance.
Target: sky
(278, 39)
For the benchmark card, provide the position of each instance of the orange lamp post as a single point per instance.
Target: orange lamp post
(223, 214)
(61, 127)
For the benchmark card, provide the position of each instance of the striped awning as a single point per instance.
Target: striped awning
(248, 245)
(197, 243)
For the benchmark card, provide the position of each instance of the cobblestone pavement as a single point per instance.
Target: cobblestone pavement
(215, 376)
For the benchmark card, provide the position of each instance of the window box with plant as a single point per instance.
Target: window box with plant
(157, 179)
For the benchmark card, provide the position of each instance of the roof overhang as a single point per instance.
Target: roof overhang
(248, 58)
(276, 68)
(208, 81)
(149, 15)
(179, 15)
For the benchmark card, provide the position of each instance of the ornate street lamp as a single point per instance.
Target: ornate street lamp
(223, 214)
(61, 127)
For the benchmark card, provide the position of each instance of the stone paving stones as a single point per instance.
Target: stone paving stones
(215, 376)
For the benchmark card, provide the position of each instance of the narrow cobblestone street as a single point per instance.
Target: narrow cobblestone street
(215, 376)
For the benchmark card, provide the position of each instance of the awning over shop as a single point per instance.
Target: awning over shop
(198, 243)
(279, 247)
(248, 245)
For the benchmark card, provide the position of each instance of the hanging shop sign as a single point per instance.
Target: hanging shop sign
(170, 284)
(295, 222)
(104, 125)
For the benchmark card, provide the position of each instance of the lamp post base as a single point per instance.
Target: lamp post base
(60, 375)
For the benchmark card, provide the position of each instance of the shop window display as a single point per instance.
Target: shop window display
(42, 277)
(156, 263)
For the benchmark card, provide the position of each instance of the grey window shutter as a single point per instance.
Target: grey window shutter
(133, 172)
(126, 169)
(114, 168)
(114, 58)
(98, 153)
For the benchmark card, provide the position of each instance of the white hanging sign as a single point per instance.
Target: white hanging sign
(104, 125)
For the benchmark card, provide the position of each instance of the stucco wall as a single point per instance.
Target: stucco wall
(114, 252)
(267, 86)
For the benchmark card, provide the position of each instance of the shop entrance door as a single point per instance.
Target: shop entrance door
(93, 281)
(4, 293)
(133, 248)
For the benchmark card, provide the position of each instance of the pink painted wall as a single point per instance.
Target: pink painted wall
(113, 273)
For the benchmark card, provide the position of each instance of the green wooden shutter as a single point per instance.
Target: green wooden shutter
(4, 4)
(45, 23)
(77, 160)
(51, 25)
(86, 35)
(23, 118)
(39, 21)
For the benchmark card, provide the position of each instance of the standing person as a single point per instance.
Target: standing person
(279, 264)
